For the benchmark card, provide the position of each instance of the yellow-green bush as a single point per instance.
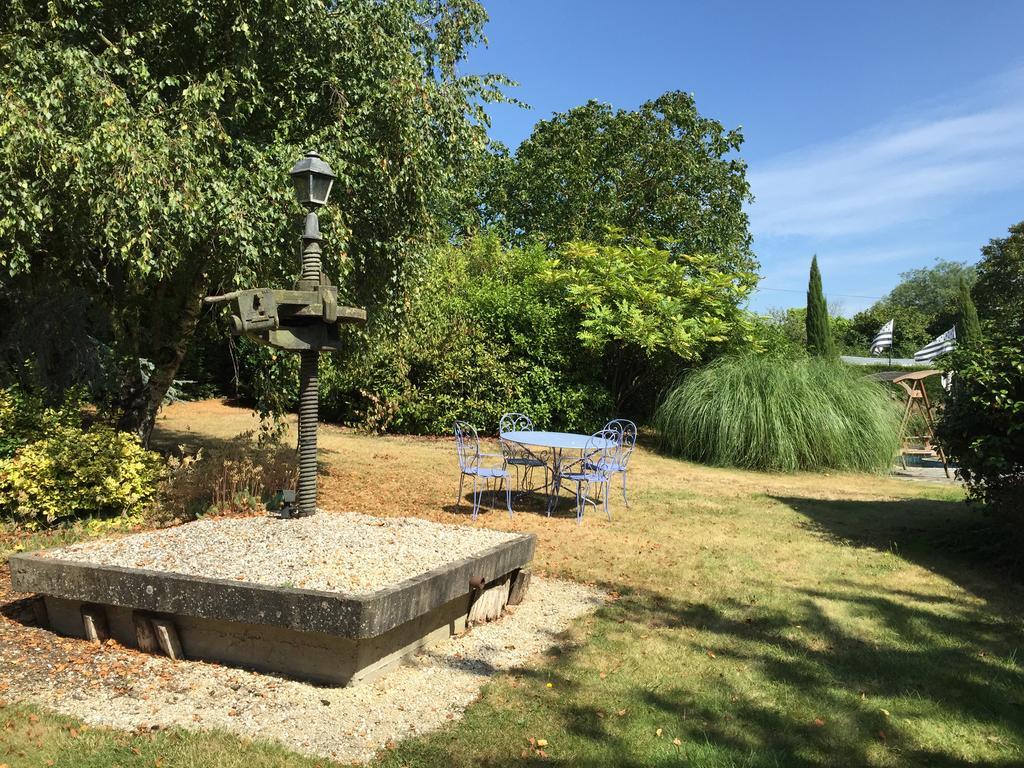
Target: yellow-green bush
(73, 472)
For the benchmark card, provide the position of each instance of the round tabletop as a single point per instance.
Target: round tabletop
(561, 440)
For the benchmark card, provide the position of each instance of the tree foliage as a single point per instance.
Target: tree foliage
(662, 171)
(999, 290)
(968, 327)
(144, 146)
(819, 334)
(924, 304)
(640, 309)
(982, 423)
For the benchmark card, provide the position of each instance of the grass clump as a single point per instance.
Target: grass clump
(781, 415)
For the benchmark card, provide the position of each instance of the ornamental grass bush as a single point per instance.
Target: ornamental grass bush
(781, 415)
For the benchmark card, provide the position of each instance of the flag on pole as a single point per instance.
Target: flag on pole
(883, 338)
(942, 344)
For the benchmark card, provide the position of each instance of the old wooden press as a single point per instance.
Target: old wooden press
(305, 319)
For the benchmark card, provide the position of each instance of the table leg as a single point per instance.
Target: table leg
(556, 479)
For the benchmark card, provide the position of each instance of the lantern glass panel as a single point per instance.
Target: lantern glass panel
(301, 182)
(320, 188)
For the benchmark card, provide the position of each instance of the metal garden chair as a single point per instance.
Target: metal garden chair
(467, 446)
(627, 440)
(519, 456)
(590, 470)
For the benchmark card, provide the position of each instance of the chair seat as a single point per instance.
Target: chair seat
(486, 472)
(606, 466)
(587, 477)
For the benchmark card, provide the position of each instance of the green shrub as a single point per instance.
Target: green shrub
(982, 424)
(781, 414)
(25, 417)
(483, 333)
(73, 472)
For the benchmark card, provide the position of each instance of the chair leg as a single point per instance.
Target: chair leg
(508, 497)
(476, 498)
(607, 490)
(624, 473)
(458, 499)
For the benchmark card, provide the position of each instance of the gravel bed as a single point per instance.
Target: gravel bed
(343, 552)
(135, 691)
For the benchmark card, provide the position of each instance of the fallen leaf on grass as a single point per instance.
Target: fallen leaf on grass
(819, 722)
(658, 733)
(884, 712)
(677, 742)
(711, 655)
(542, 742)
(622, 712)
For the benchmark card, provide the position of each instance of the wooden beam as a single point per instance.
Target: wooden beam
(94, 620)
(167, 638)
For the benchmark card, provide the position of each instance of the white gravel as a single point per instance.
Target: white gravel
(345, 724)
(344, 552)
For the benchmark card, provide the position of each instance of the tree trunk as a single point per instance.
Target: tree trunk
(172, 323)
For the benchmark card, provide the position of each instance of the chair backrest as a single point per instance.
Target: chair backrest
(602, 447)
(467, 444)
(627, 430)
(514, 422)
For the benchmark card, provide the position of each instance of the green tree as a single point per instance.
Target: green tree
(819, 335)
(932, 291)
(924, 304)
(999, 291)
(662, 171)
(644, 311)
(968, 327)
(143, 147)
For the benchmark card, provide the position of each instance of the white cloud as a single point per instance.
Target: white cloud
(895, 172)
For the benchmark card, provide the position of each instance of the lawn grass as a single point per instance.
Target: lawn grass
(760, 620)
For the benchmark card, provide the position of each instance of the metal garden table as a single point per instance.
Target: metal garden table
(558, 442)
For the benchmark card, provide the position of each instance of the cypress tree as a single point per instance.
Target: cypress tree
(968, 327)
(819, 335)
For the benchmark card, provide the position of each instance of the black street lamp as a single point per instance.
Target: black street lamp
(313, 179)
(304, 320)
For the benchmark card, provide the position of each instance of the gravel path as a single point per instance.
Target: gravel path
(116, 687)
(348, 552)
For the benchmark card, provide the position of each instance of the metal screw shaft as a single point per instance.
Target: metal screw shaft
(309, 362)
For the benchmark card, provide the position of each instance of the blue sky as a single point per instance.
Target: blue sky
(879, 135)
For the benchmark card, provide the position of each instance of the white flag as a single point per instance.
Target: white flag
(883, 338)
(942, 344)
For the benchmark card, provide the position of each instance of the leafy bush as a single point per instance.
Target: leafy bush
(25, 417)
(642, 311)
(982, 425)
(73, 472)
(780, 414)
(484, 333)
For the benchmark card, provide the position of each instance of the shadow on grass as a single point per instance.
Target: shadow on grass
(950, 538)
(523, 502)
(822, 685)
(841, 672)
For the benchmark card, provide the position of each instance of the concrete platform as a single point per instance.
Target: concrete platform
(327, 637)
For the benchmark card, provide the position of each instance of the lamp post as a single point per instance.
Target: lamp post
(304, 320)
(313, 179)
